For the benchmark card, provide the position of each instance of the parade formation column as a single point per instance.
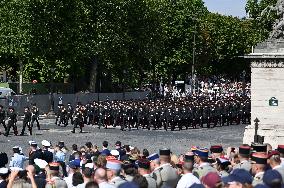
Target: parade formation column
(267, 93)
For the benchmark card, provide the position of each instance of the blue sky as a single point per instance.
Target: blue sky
(227, 7)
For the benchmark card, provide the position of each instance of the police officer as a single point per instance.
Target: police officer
(35, 115)
(12, 120)
(27, 121)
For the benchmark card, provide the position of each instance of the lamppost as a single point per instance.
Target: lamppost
(193, 58)
(244, 82)
(51, 112)
(123, 84)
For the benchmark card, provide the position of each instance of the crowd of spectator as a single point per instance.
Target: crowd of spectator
(125, 166)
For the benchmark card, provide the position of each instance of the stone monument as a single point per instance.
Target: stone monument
(267, 85)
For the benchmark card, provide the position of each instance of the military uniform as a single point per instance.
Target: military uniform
(117, 181)
(35, 115)
(2, 117)
(166, 176)
(12, 120)
(151, 181)
(203, 169)
(27, 121)
(244, 165)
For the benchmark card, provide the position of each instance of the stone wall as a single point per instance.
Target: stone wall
(267, 81)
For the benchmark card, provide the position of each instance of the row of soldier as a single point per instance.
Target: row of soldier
(8, 119)
(246, 166)
(164, 114)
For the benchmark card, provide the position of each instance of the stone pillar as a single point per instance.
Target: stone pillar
(267, 93)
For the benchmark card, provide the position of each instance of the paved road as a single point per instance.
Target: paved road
(177, 141)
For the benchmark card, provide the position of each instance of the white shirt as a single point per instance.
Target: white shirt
(68, 180)
(187, 180)
(105, 185)
(18, 161)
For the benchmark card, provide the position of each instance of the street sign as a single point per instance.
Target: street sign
(273, 102)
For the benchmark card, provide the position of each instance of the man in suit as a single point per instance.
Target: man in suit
(165, 175)
(105, 150)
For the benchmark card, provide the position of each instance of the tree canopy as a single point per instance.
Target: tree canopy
(130, 42)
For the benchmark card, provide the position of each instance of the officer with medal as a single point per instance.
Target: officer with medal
(165, 175)
(259, 162)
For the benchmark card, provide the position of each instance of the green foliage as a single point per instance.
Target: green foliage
(131, 41)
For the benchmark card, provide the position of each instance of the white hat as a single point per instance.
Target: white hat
(16, 147)
(16, 169)
(45, 143)
(32, 142)
(114, 152)
(4, 171)
(41, 163)
(89, 165)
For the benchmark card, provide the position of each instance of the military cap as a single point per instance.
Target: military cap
(166, 152)
(216, 149)
(259, 147)
(113, 165)
(153, 157)
(280, 148)
(54, 166)
(45, 143)
(223, 161)
(271, 153)
(4, 171)
(188, 158)
(143, 163)
(245, 150)
(33, 143)
(40, 163)
(259, 158)
(201, 152)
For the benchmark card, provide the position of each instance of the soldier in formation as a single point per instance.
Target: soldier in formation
(167, 114)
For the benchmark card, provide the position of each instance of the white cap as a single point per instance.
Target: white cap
(89, 165)
(114, 152)
(4, 170)
(16, 147)
(32, 142)
(41, 163)
(45, 143)
(16, 169)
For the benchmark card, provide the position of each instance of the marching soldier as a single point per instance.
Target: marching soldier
(2, 117)
(12, 120)
(78, 120)
(27, 121)
(35, 115)
(69, 113)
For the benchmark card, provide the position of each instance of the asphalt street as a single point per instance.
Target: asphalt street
(177, 141)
